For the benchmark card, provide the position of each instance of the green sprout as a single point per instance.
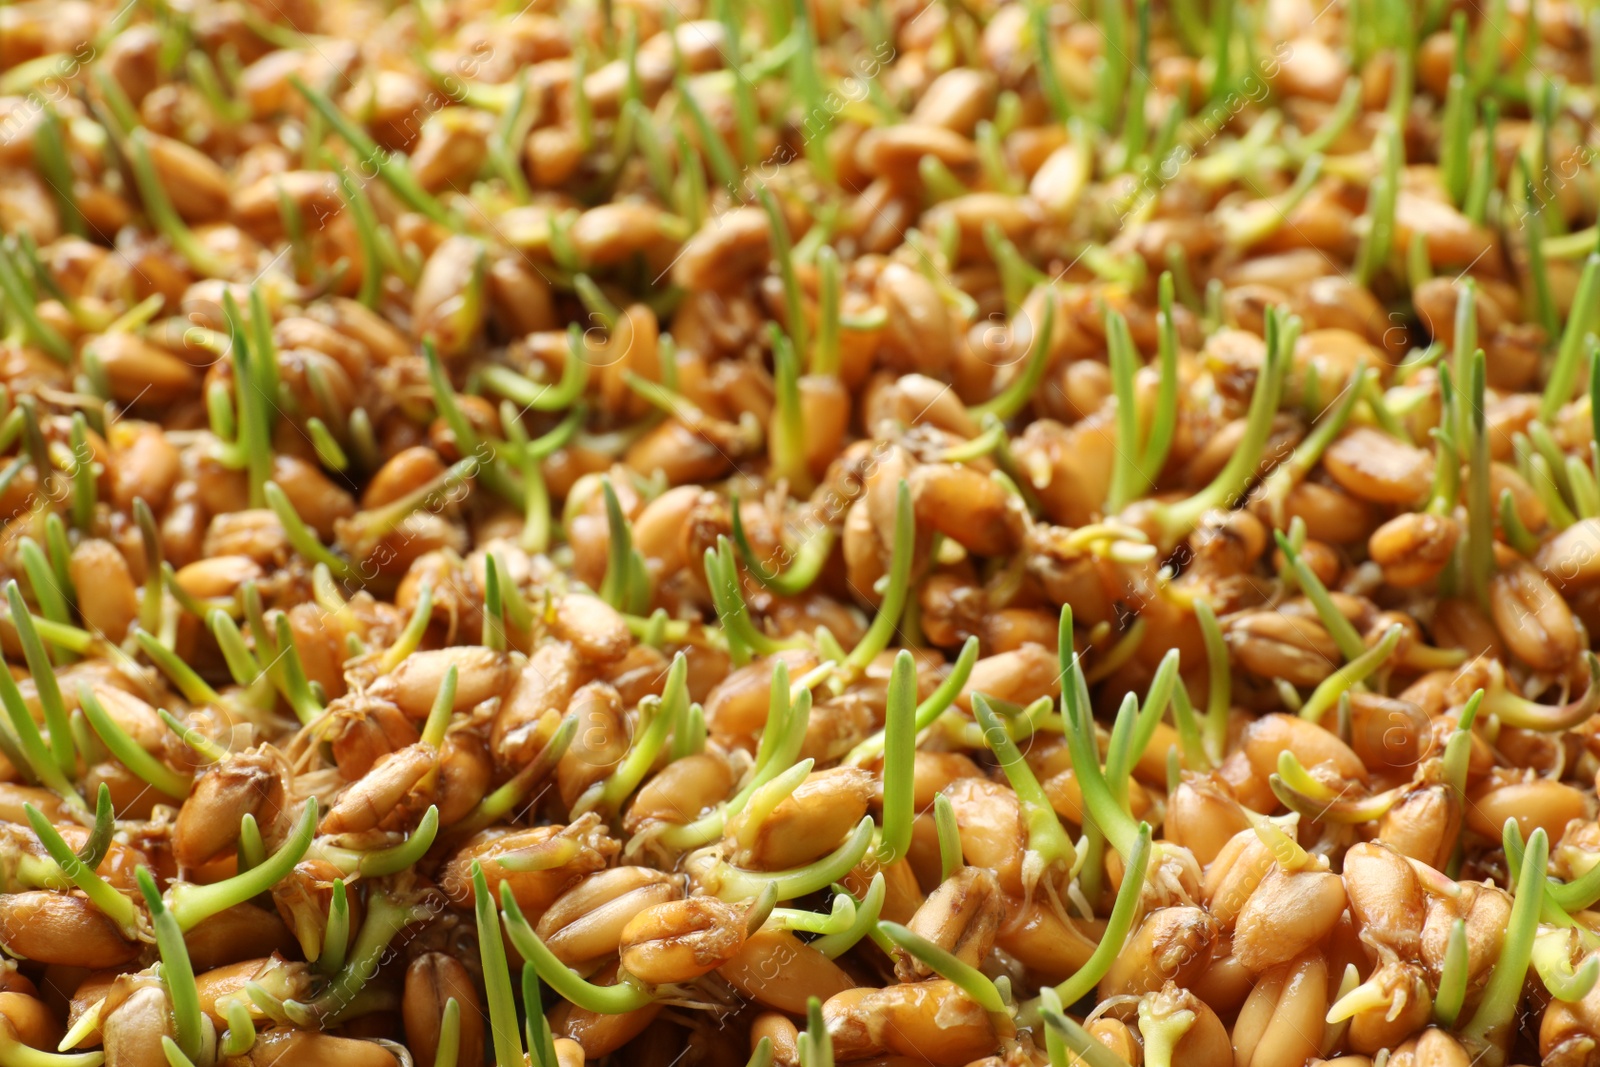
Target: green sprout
(1049, 847)
(899, 757)
(1118, 925)
(944, 963)
(1580, 323)
(805, 562)
(626, 585)
(116, 907)
(1062, 1034)
(625, 996)
(786, 447)
(62, 750)
(878, 635)
(394, 173)
(1025, 383)
(192, 904)
(1452, 994)
(1552, 959)
(139, 762)
(656, 718)
(341, 997)
(176, 973)
(1176, 520)
(1491, 1025)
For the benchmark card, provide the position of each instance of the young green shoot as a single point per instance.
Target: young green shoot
(1219, 674)
(1127, 482)
(1580, 323)
(1341, 629)
(840, 918)
(624, 996)
(732, 883)
(795, 321)
(536, 1031)
(288, 673)
(1533, 219)
(1017, 276)
(365, 221)
(878, 635)
(255, 388)
(786, 438)
(1176, 520)
(1452, 994)
(57, 729)
(936, 704)
(1515, 710)
(1103, 812)
(194, 688)
(1049, 849)
(1377, 239)
(944, 963)
(1491, 1024)
(37, 758)
(1275, 487)
(505, 799)
(50, 596)
(1024, 383)
(1479, 552)
(140, 763)
(342, 996)
(1350, 675)
(626, 584)
(805, 562)
(50, 155)
(1552, 959)
(1118, 925)
(1458, 749)
(1517, 535)
(1062, 1035)
(899, 757)
(240, 1036)
(116, 907)
(176, 973)
(165, 218)
(865, 924)
(192, 904)
(395, 173)
(98, 842)
(657, 719)
(252, 848)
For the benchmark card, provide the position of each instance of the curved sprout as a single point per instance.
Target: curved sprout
(1525, 714)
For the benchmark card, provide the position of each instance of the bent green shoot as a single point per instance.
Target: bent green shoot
(972, 981)
(878, 635)
(192, 904)
(867, 911)
(804, 563)
(625, 996)
(1118, 925)
(1552, 959)
(116, 907)
(732, 883)
(1025, 383)
(1515, 710)
(379, 862)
